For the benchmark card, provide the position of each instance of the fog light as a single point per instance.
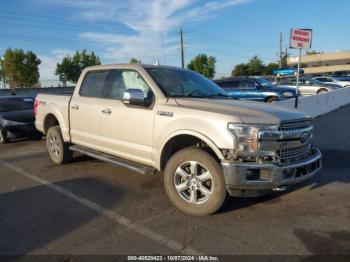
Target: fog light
(253, 174)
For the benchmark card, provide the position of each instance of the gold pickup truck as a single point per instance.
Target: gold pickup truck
(157, 118)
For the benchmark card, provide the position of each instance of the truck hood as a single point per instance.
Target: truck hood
(249, 112)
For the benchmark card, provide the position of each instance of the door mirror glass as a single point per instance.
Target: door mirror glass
(134, 96)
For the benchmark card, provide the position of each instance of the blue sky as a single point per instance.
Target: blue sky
(230, 30)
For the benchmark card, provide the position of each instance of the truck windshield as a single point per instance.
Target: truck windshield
(185, 83)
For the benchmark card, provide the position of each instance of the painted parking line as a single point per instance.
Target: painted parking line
(172, 244)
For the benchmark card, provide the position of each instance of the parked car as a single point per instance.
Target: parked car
(176, 121)
(308, 85)
(339, 80)
(255, 88)
(17, 118)
(287, 71)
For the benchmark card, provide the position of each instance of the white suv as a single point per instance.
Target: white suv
(340, 80)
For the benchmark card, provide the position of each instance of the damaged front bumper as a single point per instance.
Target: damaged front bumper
(246, 179)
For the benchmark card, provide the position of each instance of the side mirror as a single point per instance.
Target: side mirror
(134, 96)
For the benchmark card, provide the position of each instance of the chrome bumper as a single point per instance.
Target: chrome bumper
(251, 177)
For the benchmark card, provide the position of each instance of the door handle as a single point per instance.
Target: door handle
(75, 107)
(106, 111)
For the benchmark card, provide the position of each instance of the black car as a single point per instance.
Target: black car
(17, 118)
(255, 88)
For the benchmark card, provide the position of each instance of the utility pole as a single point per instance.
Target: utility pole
(182, 49)
(280, 64)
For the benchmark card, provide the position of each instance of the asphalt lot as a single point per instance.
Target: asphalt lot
(91, 207)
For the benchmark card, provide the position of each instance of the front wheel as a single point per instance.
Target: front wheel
(271, 99)
(3, 137)
(58, 149)
(194, 182)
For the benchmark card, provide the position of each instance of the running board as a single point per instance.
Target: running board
(139, 168)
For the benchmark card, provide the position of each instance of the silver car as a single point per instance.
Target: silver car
(309, 86)
(340, 80)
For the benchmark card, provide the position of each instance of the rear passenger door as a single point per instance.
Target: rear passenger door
(248, 90)
(85, 110)
(231, 87)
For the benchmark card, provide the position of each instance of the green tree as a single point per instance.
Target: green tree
(240, 70)
(71, 66)
(284, 59)
(269, 68)
(255, 66)
(19, 68)
(135, 61)
(312, 52)
(204, 65)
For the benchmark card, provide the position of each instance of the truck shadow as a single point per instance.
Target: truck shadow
(34, 217)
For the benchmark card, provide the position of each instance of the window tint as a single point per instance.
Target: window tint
(229, 84)
(15, 104)
(127, 79)
(329, 80)
(93, 84)
(247, 84)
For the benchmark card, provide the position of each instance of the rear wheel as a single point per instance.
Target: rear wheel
(321, 91)
(58, 149)
(271, 99)
(3, 137)
(194, 182)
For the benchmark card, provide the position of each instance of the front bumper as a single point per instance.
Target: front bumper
(254, 179)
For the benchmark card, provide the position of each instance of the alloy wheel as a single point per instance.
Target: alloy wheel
(193, 182)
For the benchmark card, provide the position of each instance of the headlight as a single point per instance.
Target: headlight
(10, 123)
(247, 135)
(288, 94)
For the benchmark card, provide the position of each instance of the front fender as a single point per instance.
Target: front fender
(215, 135)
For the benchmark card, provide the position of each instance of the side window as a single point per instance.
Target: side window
(127, 79)
(329, 80)
(93, 84)
(247, 84)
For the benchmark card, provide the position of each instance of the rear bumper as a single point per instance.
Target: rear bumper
(253, 179)
(21, 130)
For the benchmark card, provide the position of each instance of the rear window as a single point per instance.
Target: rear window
(16, 104)
(93, 84)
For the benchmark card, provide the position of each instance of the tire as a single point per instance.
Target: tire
(271, 99)
(197, 195)
(3, 137)
(322, 91)
(58, 150)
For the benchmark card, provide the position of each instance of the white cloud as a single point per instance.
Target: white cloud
(48, 63)
(147, 24)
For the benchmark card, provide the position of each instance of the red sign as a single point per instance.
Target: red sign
(300, 38)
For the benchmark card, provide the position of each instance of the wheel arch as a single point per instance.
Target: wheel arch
(184, 139)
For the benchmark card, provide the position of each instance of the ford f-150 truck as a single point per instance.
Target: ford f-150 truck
(148, 118)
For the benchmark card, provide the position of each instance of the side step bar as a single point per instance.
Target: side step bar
(139, 168)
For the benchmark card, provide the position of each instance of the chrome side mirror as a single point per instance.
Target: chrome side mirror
(134, 96)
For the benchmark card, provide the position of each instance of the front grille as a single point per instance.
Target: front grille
(292, 125)
(293, 152)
